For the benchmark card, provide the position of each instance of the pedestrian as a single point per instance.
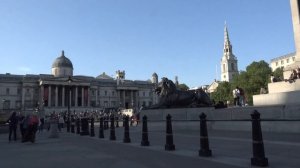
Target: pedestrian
(13, 123)
(31, 123)
(21, 121)
(242, 97)
(236, 96)
(42, 123)
(60, 123)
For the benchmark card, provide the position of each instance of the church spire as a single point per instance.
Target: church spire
(229, 66)
(227, 45)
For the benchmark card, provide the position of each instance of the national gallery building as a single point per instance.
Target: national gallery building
(60, 90)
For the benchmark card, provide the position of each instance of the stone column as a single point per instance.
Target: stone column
(42, 97)
(82, 96)
(131, 99)
(76, 96)
(119, 93)
(124, 98)
(56, 96)
(136, 99)
(63, 96)
(49, 96)
(88, 97)
(96, 92)
(23, 98)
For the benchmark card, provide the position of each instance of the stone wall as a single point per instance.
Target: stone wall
(233, 113)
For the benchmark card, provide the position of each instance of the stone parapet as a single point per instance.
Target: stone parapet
(185, 115)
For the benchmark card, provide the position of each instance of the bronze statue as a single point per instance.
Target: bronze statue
(171, 97)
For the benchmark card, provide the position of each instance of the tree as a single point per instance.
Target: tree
(183, 87)
(278, 73)
(255, 77)
(222, 93)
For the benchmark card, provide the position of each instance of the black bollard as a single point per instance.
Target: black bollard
(112, 128)
(145, 141)
(169, 134)
(106, 122)
(101, 133)
(123, 121)
(126, 131)
(258, 158)
(77, 126)
(92, 127)
(68, 124)
(117, 121)
(204, 151)
(72, 125)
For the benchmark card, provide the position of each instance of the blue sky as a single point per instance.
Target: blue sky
(181, 38)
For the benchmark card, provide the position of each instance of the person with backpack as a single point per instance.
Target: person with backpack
(31, 122)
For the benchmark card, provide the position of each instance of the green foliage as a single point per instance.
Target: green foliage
(256, 76)
(183, 87)
(223, 92)
(278, 73)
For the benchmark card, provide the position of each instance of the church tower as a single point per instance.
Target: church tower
(229, 66)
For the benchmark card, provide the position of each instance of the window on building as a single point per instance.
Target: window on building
(18, 104)
(287, 60)
(6, 104)
(105, 103)
(293, 58)
(7, 91)
(98, 93)
(105, 93)
(27, 90)
(276, 63)
(113, 93)
(223, 67)
(224, 76)
(144, 103)
(282, 62)
(93, 92)
(144, 94)
(19, 91)
(113, 103)
(232, 67)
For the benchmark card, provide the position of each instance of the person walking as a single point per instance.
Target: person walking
(13, 123)
(236, 96)
(242, 97)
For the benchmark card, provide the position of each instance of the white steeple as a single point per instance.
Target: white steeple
(229, 66)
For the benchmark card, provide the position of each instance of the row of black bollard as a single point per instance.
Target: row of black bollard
(258, 158)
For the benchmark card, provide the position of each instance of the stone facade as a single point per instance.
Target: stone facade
(47, 93)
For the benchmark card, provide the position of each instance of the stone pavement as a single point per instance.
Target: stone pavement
(230, 149)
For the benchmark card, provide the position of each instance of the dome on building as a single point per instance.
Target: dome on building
(62, 61)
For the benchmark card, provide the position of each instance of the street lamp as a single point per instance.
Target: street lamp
(69, 98)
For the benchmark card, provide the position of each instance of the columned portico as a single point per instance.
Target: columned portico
(59, 92)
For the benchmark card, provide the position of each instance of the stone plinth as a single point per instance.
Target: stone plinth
(232, 113)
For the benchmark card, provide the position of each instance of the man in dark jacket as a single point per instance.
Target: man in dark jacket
(13, 123)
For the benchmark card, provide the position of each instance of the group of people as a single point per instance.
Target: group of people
(238, 96)
(294, 75)
(28, 126)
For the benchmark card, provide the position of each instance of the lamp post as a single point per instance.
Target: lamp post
(69, 100)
